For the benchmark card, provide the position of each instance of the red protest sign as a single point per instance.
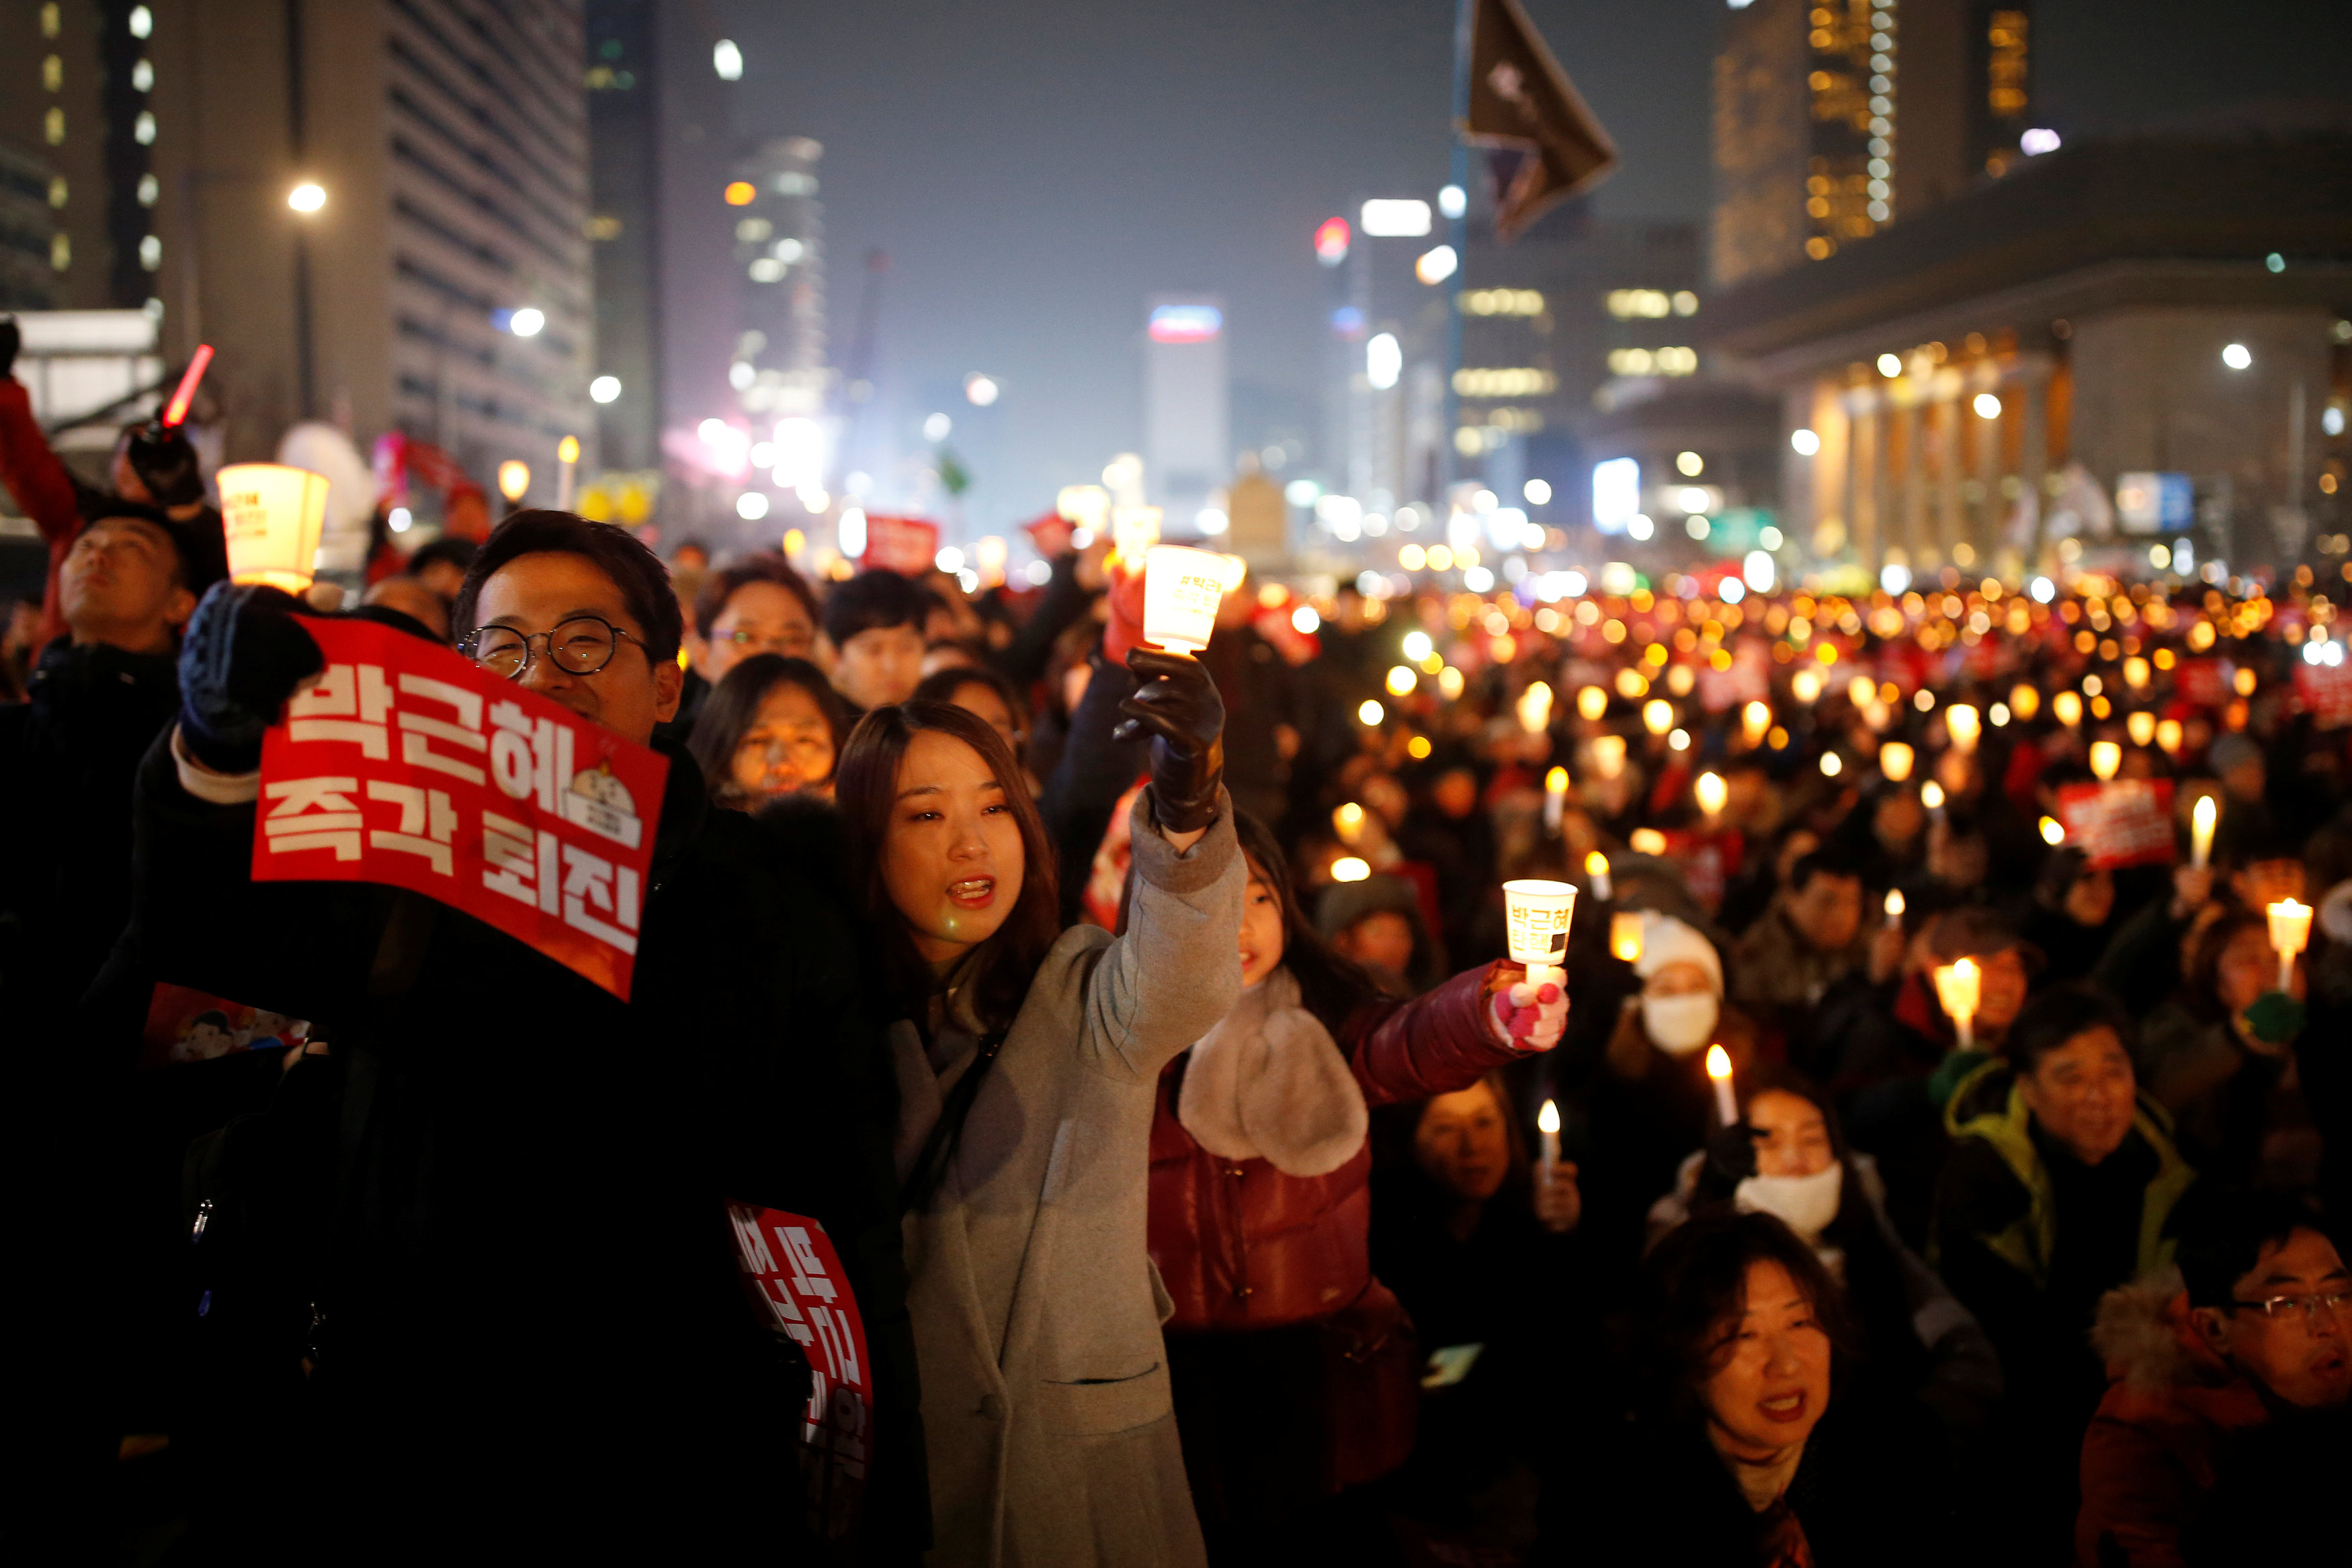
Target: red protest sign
(792, 1272)
(2326, 694)
(906, 545)
(2126, 821)
(410, 766)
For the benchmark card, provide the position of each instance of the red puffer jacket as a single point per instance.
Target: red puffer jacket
(1241, 1246)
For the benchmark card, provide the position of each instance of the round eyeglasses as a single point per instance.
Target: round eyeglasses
(580, 646)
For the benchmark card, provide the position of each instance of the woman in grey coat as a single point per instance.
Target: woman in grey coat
(1027, 1061)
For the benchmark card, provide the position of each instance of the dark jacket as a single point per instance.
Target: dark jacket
(68, 756)
(1241, 1246)
(1661, 1494)
(2029, 1237)
(519, 1262)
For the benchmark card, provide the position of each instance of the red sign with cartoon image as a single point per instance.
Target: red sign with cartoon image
(792, 1273)
(410, 766)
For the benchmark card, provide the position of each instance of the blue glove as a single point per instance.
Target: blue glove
(243, 656)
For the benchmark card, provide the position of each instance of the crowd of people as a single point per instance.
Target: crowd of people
(1139, 1027)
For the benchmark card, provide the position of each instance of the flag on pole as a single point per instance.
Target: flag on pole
(1521, 101)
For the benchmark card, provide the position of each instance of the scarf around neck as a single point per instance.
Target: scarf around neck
(1269, 1083)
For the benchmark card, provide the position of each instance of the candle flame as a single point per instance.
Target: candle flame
(1556, 781)
(1718, 1063)
(2205, 812)
(1895, 760)
(1931, 795)
(1711, 793)
(1596, 865)
(1895, 902)
(1548, 1119)
(2053, 832)
(2106, 756)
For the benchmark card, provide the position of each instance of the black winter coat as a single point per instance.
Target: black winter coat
(528, 1315)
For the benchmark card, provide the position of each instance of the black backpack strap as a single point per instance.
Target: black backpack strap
(938, 1149)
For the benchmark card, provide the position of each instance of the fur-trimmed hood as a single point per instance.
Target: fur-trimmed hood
(2145, 1338)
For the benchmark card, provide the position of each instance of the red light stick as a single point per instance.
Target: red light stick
(177, 410)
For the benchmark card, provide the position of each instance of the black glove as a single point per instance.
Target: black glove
(166, 463)
(243, 656)
(1177, 706)
(11, 340)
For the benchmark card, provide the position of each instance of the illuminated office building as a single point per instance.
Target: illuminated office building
(1836, 118)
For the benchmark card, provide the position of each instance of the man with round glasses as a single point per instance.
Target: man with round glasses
(511, 1245)
(2254, 1332)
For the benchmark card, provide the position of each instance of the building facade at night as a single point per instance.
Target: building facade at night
(442, 288)
(1980, 378)
(1188, 451)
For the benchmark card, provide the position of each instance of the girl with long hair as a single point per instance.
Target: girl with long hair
(1027, 1058)
(1297, 1371)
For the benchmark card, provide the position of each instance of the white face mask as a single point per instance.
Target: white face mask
(1806, 1204)
(1680, 1025)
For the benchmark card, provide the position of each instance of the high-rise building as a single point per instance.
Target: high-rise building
(437, 284)
(778, 366)
(1834, 118)
(626, 71)
(1187, 422)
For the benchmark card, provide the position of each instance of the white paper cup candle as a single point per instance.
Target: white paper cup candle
(1182, 589)
(2290, 935)
(1536, 917)
(273, 517)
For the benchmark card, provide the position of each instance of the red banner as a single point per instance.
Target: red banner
(2326, 694)
(907, 545)
(410, 766)
(792, 1272)
(2128, 821)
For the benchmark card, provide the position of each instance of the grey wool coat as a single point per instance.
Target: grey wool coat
(1046, 1410)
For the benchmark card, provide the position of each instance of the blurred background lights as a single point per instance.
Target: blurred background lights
(1986, 406)
(604, 389)
(1383, 360)
(726, 59)
(527, 322)
(751, 505)
(1690, 465)
(1890, 366)
(2237, 357)
(2036, 141)
(1436, 264)
(1331, 241)
(1536, 491)
(306, 197)
(1804, 443)
(982, 390)
(1452, 202)
(936, 427)
(1394, 218)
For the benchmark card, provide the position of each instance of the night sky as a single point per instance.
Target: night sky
(1035, 170)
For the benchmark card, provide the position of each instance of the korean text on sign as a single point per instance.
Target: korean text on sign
(792, 1272)
(409, 766)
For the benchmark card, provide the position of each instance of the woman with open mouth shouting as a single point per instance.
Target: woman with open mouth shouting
(1027, 1060)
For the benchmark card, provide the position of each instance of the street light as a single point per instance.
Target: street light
(306, 197)
(527, 322)
(604, 389)
(2236, 357)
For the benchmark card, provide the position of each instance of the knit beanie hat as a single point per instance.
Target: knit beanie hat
(1666, 940)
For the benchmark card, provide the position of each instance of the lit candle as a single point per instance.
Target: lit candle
(1718, 1070)
(1348, 821)
(1754, 722)
(1961, 723)
(1625, 935)
(2106, 756)
(1548, 1125)
(1555, 797)
(1895, 909)
(1931, 795)
(1182, 590)
(1596, 873)
(1609, 755)
(1959, 986)
(2290, 933)
(567, 457)
(1536, 917)
(2201, 821)
(1534, 707)
(1895, 760)
(1591, 701)
(1711, 793)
